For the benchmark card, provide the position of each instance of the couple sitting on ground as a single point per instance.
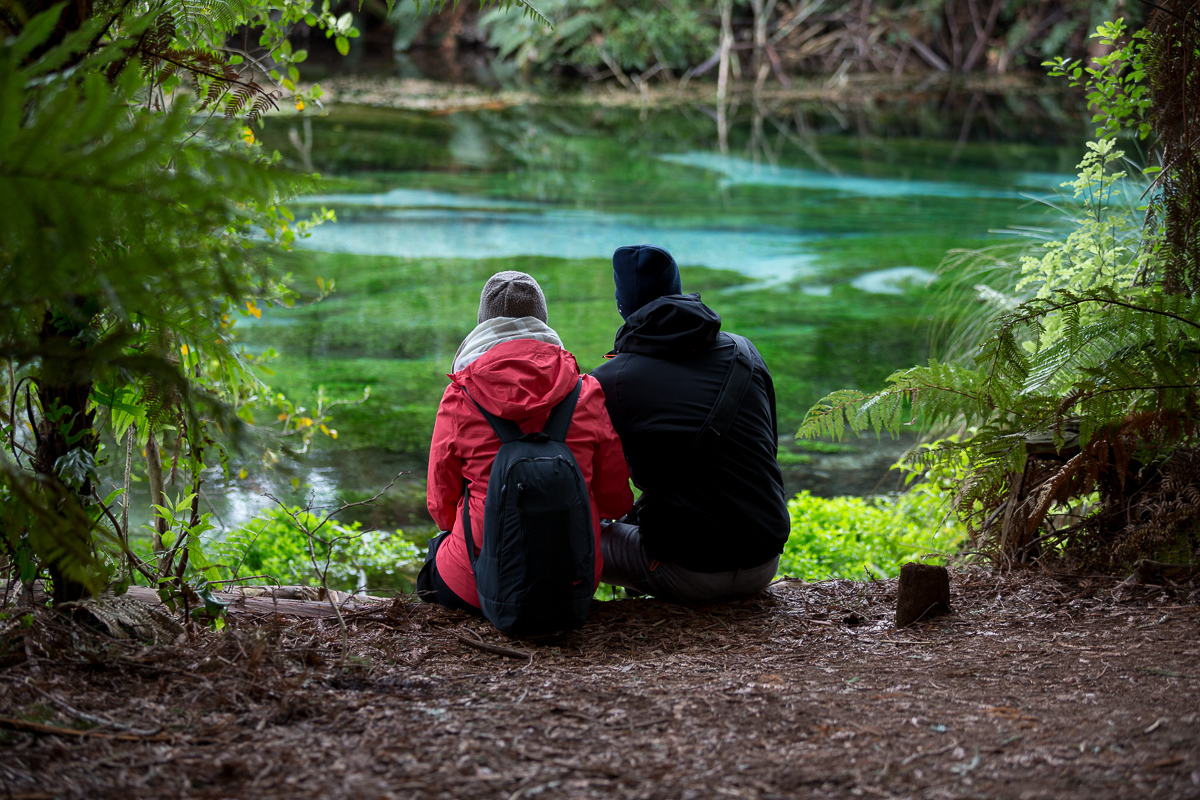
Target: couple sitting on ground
(686, 410)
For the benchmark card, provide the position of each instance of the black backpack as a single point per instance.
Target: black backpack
(535, 572)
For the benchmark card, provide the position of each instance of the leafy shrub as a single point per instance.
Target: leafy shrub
(854, 537)
(590, 35)
(1083, 399)
(271, 544)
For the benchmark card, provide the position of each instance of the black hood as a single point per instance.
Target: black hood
(671, 325)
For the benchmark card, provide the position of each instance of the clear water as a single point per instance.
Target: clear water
(823, 245)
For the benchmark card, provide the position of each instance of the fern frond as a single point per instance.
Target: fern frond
(527, 8)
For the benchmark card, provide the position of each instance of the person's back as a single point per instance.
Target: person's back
(513, 366)
(714, 508)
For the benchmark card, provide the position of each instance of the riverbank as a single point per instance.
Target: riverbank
(849, 91)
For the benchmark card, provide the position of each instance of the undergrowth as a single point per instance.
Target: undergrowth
(872, 537)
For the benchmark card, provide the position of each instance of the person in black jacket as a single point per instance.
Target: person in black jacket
(711, 520)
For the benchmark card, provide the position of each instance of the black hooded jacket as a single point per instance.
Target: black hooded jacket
(711, 510)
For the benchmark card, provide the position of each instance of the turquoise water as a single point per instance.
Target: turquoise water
(543, 182)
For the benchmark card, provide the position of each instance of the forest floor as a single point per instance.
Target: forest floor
(1035, 687)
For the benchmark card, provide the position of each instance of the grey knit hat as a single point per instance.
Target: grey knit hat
(511, 294)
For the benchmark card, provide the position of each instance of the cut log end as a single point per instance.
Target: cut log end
(924, 592)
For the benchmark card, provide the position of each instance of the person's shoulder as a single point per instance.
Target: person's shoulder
(592, 389)
(453, 397)
(591, 407)
(754, 353)
(611, 364)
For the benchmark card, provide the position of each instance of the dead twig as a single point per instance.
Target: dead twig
(493, 648)
(24, 726)
(62, 705)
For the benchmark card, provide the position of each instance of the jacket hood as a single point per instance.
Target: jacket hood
(497, 331)
(519, 379)
(671, 325)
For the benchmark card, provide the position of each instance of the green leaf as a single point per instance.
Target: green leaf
(342, 44)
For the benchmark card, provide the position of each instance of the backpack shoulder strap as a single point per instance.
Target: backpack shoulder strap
(729, 400)
(560, 417)
(506, 429)
(470, 538)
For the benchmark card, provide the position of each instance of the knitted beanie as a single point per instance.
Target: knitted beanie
(643, 273)
(511, 294)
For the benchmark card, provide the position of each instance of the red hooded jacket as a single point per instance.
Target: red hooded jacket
(522, 381)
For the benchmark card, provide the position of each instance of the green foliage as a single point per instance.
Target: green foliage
(131, 233)
(125, 239)
(853, 537)
(1104, 246)
(1091, 385)
(590, 35)
(271, 549)
(1115, 82)
(128, 245)
(271, 544)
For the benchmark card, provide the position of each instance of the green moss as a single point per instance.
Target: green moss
(394, 325)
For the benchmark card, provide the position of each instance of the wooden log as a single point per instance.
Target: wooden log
(242, 604)
(239, 603)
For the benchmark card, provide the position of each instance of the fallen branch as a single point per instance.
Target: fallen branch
(493, 648)
(8, 723)
(62, 705)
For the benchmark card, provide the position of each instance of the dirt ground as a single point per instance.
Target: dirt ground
(1036, 687)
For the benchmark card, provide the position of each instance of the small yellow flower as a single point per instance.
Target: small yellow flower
(253, 309)
(282, 416)
(247, 136)
(184, 349)
(305, 422)
(299, 104)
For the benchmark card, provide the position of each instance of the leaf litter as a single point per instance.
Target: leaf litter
(1036, 686)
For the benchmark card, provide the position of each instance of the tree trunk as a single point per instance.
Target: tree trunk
(723, 74)
(64, 388)
(762, 18)
(154, 476)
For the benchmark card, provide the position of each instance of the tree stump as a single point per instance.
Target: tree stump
(924, 592)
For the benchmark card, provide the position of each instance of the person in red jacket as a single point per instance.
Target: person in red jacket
(512, 364)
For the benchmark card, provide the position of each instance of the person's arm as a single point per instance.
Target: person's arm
(770, 385)
(771, 401)
(610, 474)
(445, 476)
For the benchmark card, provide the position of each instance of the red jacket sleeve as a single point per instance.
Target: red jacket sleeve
(445, 477)
(610, 474)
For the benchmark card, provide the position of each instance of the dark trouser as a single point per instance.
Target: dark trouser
(430, 586)
(626, 563)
